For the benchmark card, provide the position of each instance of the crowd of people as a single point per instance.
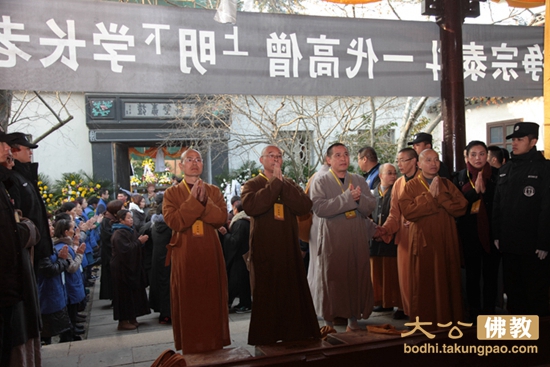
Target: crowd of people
(375, 243)
(49, 260)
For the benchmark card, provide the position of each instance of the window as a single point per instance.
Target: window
(497, 132)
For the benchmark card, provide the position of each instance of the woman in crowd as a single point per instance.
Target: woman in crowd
(481, 257)
(64, 234)
(136, 207)
(106, 287)
(159, 291)
(52, 295)
(129, 280)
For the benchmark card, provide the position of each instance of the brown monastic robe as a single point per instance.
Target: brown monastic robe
(282, 307)
(395, 224)
(198, 282)
(434, 250)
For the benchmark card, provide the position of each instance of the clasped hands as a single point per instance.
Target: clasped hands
(198, 191)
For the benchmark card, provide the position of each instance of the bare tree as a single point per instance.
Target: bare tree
(302, 126)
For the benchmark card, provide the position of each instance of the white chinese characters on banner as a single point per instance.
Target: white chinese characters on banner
(71, 43)
(199, 51)
(323, 61)
(280, 51)
(116, 41)
(198, 48)
(473, 57)
(7, 38)
(156, 35)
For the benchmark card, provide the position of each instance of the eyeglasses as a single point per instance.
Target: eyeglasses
(397, 161)
(191, 160)
(273, 156)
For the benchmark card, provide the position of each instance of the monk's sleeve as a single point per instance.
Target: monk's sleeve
(393, 222)
(452, 200)
(416, 204)
(325, 206)
(367, 202)
(215, 210)
(180, 213)
(258, 195)
(295, 198)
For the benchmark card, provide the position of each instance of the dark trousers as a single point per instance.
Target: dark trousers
(526, 283)
(481, 278)
(6, 335)
(239, 282)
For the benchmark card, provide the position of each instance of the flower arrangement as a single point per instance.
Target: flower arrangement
(68, 188)
(47, 191)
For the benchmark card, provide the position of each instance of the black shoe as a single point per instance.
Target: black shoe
(382, 309)
(80, 319)
(399, 315)
(243, 310)
(76, 338)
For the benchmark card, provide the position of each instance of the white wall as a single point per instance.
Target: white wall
(530, 110)
(65, 150)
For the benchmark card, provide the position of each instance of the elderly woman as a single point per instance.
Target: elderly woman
(129, 279)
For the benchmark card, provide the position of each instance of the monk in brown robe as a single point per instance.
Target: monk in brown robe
(282, 308)
(431, 203)
(198, 282)
(407, 160)
(383, 256)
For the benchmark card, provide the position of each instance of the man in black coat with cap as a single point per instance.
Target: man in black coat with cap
(521, 217)
(25, 193)
(423, 141)
(19, 309)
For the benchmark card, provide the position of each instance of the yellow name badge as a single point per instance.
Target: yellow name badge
(475, 207)
(279, 211)
(351, 214)
(198, 228)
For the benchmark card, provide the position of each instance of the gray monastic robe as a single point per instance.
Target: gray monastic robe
(344, 287)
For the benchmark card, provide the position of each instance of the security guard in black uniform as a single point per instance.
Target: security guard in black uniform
(521, 222)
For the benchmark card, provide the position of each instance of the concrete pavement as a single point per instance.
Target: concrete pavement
(104, 345)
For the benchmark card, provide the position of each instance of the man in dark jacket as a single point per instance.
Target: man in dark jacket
(235, 245)
(521, 214)
(20, 314)
(25, 194)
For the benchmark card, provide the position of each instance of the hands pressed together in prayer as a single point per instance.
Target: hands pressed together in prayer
(277, 172)
(355, 192)
(480, 184)
(199, 191)
(434, 187)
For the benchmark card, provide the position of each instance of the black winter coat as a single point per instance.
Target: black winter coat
(521, 211)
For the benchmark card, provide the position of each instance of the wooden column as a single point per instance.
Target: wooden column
(452, 84)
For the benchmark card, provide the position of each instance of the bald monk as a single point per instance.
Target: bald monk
(407, 160)
(431, 203)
